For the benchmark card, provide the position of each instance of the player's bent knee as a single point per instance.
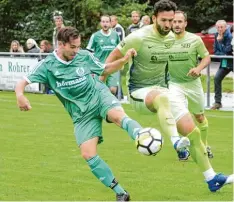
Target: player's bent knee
(115, 115)
(153, 100)
(185, 124)
(199, 117)
(86, 155)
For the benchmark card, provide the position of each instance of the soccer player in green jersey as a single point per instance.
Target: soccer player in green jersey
(185, 83)
(147, 84)
(68, 71)
(102, 43)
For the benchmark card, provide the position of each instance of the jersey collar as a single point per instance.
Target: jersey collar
(60, 60)
(109, 33)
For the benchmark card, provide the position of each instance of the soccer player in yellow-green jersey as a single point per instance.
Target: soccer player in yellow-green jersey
(148, 79)
(184, 69)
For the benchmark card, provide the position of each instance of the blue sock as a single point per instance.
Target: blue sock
(131, 126)
(103, 172)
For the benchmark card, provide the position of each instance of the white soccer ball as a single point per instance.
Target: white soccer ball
(149, 141)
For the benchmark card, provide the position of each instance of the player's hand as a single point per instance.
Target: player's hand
(220, 37)
(194, 72)
(23, 103)
(130, 53)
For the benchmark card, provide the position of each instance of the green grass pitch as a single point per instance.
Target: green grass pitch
(39, 159)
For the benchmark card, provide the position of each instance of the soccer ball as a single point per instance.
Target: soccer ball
(149, 141)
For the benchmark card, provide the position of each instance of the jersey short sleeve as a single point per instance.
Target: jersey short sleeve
(131, 41)
(38, 74)
(201, 48)
(95, 65)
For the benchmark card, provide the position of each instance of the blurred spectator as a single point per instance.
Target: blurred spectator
(222, 46)
(45, 47)
(58, 20)
(117, 27)
(32, 46)
(120, 31)
(16, 47)
(145, 20)
(232, 43)
(135, 17)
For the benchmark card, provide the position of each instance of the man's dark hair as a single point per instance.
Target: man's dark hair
(67, 33)
(164, 5)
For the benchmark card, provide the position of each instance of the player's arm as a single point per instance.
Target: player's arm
(116, 62)
(204, 54)
(37, 75)
(22, 101)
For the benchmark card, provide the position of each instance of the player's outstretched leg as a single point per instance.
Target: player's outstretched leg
(202, 123)
(123, 197)
(168, 125)
(219, 181)
(100, 168)
(186, 126)
(131, 126)
(181, 147)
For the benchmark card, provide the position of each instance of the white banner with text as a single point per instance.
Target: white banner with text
(13, 69)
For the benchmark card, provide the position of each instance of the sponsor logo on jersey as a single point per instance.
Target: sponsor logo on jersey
(70, 83)
(113, 41)
(168, 45)
(185, 45)
(80, 71)
(122, 44)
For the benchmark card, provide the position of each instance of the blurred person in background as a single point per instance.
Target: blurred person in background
(32, 46)
(145, 20)
(222, 46)
(102, 43)
(45, 47)
(16, 47)
(135, 17)
(117, 27)
(58, 20)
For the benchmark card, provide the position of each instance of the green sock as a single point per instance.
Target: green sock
(102, 171)
(204, 130)
(166, 120)
(131, 126)
(198, 151)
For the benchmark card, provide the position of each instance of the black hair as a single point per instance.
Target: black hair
(164, 5)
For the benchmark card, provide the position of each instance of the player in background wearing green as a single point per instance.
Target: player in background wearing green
(185, 83)
(102, 43)
(147, 85)
(68, 71)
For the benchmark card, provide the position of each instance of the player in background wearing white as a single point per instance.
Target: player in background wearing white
(117, 27)
(185, 71)
(147, 85)
(102, 43)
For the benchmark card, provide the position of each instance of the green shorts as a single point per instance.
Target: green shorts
(113, 80)
(90, 125)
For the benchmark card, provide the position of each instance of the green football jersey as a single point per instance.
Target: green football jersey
(102, 44)
(184, 57)
(149, 67)
(72, 82)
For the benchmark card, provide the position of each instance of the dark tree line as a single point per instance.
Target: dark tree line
(23, 19)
